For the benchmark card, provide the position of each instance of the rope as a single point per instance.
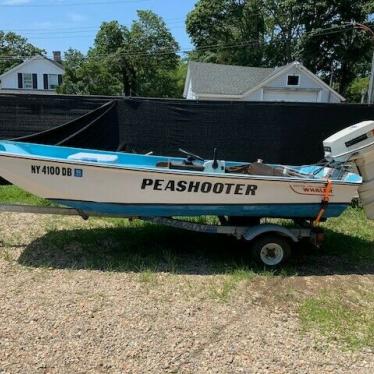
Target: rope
(324, 202)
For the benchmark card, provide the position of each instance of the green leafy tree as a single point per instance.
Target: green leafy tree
(358, 89)
(327, 47)
(180, 75)
(227, 31)
(140, 60)
(110, 46)
(155, 55)
(283, 31)
(13, 50)
(85, 76)
(73, 61)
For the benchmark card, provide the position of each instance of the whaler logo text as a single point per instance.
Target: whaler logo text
(306, 189)
(204, 187)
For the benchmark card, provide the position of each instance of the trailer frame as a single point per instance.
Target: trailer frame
(273, 237)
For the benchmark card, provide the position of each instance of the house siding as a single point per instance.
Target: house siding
(38, 67)
(305, 80)
(190, 92)
(305, 84)
(254, 96)
(308, 90)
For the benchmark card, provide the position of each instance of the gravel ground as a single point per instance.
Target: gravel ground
(64, 320)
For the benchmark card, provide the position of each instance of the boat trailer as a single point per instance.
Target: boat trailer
(271, 243)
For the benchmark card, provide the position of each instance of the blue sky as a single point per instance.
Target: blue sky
(60, 24)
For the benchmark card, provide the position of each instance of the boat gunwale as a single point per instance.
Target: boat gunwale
(175, 172)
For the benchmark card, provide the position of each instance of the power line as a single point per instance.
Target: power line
(35, 33)
(146, 53)
(40, 30)
(330, 30)
(160, 52)
(247, 43)
(87, 32)
(61, 37)
(40, 33)
(63, 4)
(177, 20)
(347, 26)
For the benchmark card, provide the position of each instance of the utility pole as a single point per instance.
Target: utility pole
(371, 82)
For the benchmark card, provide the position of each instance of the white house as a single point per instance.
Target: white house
(38, 75)
(293, 82)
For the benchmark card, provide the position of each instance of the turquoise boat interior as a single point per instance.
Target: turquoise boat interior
(189, 163)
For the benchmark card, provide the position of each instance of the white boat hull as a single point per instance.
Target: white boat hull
(127, 191)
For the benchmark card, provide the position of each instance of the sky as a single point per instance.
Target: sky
(56, 25)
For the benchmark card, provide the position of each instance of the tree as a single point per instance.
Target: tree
(85, 76)
(14, 48)
(155, 55)
(227, 31)
(141, 58)
(73, 61)
(357, 91)
(180, 75)
(110, 46)
(327, 47)
(281, 31)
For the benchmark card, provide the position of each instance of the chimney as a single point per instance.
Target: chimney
(57, 56)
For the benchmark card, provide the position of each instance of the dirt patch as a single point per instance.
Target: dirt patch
(75, 301)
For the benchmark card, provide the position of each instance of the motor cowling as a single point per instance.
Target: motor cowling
(355, 144)
(341, 146)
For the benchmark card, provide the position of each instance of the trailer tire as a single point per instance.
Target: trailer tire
(271, 250)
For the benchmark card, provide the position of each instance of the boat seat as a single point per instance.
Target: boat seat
(255, 168)
(170, 165)
(93, 157)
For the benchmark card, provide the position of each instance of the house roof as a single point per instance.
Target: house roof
(237, 81)
(225, 79)
(37, 57)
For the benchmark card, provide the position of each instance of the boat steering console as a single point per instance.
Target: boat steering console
(211, 166)
(190, 157)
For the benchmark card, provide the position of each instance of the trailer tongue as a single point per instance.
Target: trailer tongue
(354, 147)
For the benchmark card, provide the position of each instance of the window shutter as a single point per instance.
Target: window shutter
(35, 81)
(45, 78)
(20, 80)
(60, 79)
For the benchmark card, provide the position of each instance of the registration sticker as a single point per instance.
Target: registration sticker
(78, 173)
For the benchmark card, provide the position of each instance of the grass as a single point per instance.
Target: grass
(351, 236)
(346, 319)
(221, 289)
(120, 245)
(14, 195)
(6, 255)
(117, 244)
(148, 276)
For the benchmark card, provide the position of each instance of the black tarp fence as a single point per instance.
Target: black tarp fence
(97, 129)
(289, 133)
(22, 115)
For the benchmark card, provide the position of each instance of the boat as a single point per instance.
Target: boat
(135, 185)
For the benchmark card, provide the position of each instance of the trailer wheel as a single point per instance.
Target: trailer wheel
(271, 250)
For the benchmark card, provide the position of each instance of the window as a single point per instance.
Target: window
(293, 80)
(52, 81)
(27, 81)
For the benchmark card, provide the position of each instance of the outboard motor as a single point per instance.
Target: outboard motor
(356, 144)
